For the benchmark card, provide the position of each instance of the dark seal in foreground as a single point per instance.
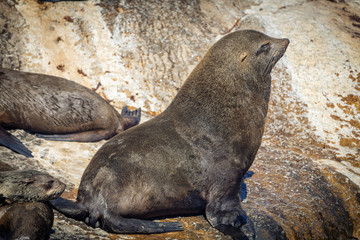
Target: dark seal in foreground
(30, 220)
(56, 109)
(21, 217)
(192, 157)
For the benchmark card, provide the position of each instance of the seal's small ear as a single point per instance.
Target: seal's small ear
(243, 57)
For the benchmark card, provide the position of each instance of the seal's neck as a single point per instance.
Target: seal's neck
(220, 99)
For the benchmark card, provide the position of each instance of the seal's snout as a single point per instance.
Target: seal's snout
(284, 43)
(56, 188)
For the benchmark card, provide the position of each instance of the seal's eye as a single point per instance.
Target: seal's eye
(263, 48)
(49, 184)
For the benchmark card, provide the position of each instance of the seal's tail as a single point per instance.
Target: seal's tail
(9, 141)
(111, 222)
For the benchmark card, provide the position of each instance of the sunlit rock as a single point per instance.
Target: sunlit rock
(306, 177)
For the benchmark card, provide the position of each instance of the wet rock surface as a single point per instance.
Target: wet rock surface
(304, 183)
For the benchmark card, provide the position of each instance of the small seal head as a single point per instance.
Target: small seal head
(27, 186)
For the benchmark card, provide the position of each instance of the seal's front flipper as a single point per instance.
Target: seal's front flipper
(117, 224)
(234, 232)
(131, 118)
(224, 213)
(89, 136)
(9, 141)
(69, 208)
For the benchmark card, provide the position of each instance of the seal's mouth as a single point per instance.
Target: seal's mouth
(278, 53)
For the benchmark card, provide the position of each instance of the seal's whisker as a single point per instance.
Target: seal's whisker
(269, 65)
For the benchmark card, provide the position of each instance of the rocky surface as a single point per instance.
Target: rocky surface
(304, 183)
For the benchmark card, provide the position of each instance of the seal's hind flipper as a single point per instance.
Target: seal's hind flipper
(111, 222)
(131, 118)
(9, 141)
(89, 136)
(117, 224)
(69, 208)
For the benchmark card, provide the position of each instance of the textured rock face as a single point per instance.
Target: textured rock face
(306, 177)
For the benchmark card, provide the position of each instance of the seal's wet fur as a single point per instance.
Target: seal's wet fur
(192, 157)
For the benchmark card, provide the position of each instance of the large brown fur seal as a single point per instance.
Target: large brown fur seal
(192, 157)
(56, 109)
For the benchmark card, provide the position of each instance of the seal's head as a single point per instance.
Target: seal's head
(255, 53)
(233, 73)
(27, 186)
